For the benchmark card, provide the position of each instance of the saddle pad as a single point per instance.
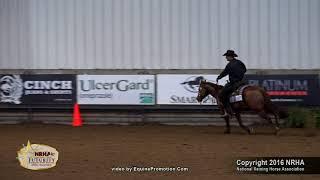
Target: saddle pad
(236, 98)
(237, 95)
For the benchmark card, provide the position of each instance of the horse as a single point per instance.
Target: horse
(254, 98)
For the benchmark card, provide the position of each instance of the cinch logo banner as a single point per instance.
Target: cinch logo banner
(38, 156)
(37, 89)
(116, 89)
(182, 89)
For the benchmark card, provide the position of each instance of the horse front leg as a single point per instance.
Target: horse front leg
(221, 108)
(227, 130)
(226, 118)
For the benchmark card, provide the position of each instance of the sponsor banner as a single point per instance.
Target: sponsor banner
(37, 89)
(116, 89)
(291, 89)
(182, 89)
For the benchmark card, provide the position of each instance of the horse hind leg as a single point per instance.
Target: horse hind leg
(272, 109)
(227, 130)
(276, 121)
(238, 117)
(265, 116)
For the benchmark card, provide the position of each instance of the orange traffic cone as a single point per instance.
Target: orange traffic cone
(77, 121)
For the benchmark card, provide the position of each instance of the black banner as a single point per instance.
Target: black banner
(289, 89)
(278, 165)
(38, 89)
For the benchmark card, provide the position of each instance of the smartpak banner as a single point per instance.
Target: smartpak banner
(116, 89)
(37, 89)
(182, 89)
(289, 89)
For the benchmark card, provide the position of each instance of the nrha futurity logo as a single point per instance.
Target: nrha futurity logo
(37, 156)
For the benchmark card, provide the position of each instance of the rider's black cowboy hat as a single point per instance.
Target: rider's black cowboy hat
(230, 53)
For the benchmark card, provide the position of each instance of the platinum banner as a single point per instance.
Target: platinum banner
(289, 89)
(116, 89)
(38, 89)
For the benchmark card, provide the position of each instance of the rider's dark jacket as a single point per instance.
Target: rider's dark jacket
(235, 69)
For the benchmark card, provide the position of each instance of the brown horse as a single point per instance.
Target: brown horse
(254, 98)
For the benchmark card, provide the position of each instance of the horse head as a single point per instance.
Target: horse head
(206, 88)
(203, 91)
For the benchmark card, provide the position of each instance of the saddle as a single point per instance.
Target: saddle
(236, 96)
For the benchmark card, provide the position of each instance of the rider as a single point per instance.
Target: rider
(236, 70)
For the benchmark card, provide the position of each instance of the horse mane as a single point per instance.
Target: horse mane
(216, 86)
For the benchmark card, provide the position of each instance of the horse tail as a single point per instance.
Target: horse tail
(272, 108)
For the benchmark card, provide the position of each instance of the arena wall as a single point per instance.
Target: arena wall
(90, 36)
(152, 37)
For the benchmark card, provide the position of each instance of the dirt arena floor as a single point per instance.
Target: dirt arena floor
(90, 152)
